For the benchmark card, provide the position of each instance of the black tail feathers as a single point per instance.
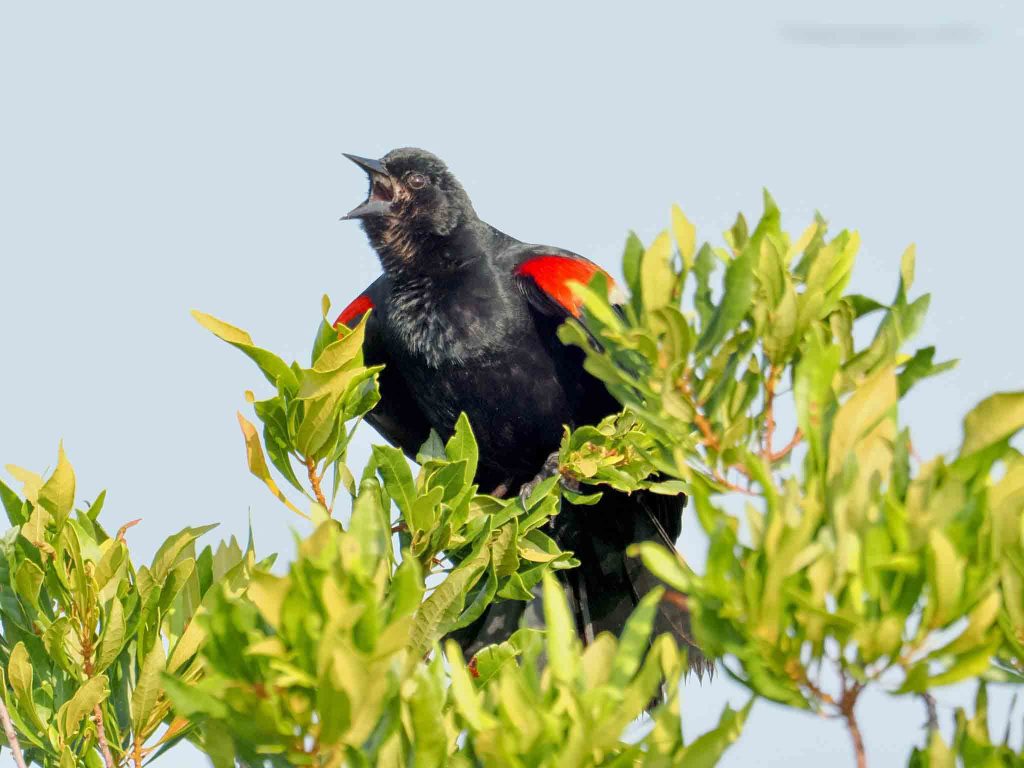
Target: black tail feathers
(603, 591)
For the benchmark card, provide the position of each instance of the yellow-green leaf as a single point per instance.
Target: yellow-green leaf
(58, 492)
(657, 278)
(686, 235)
(258, 463)
(994, 419)
(147, 688)
(91, 693)
(113, 637)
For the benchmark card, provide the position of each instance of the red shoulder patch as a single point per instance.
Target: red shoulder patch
(552, 274)
(350, 314)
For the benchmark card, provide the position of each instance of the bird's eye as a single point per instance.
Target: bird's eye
(416, 180)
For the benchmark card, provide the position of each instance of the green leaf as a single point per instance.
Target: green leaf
(907, 269)
(632, 258)
(368, 524)
(634, 639)
(946, 575)
(273, 367)
(461, 446)
(972, 664)
(920, 367)
(268, 593)
(445, 603)
(663, 563)
(171, 551)
(28, 579)
(58, 492)
(467, 700)
(13, 505)
(424, 512)
(504, 552)
(397, 477)
(147, 688)
(685, 235)
(113, 637)
(864, 413)
(936, 755)
(812, 391)
(344, 351)
(406, 587)
(19, 673)
(430, 742)
(657, 278)
(70, 715)
(708, 748)
(782, 326)
(562, 643)
(258, 464)
(451, 478)
(739, 290)
(996, 418)
(491, 659)
(432, 448)
(30, 482)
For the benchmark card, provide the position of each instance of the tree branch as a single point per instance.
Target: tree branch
(846, 708)
(930, 708)
(12, 737)
(769, 412)
(719, 478)
(101, 736)
(314, 480)
(793, 443)
(88, 648)
(709, 439)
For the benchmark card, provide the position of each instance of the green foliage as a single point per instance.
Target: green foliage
(87, 636)
(854, 560)
(853, 564)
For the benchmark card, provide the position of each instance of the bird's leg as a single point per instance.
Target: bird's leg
(550, 469)
(501, 490)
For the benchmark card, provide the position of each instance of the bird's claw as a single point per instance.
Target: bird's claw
(550, 469)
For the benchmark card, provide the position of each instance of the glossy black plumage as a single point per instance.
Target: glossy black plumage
(465, 319)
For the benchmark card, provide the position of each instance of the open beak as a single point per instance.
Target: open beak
(382, 189)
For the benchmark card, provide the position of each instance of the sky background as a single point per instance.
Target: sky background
(156, 158)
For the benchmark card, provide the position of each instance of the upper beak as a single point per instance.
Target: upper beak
(374, 206)
(368, 165)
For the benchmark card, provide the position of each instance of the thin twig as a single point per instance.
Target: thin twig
(101, 736)
(719, 478)
(930, 708)
(709, 439)
(314, 480)
(846, 708)
(12, 737)
(769, 412)
(123, 529)
(793, 443)
(88, 648)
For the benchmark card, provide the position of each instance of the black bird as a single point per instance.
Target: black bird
(464, 319)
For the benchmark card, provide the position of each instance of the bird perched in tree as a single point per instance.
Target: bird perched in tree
(464, 320)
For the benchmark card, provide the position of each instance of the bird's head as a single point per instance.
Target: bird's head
(414, 201)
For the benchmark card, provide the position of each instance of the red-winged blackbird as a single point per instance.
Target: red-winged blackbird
(464, 319)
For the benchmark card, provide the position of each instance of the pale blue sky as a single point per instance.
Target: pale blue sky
(160, 157)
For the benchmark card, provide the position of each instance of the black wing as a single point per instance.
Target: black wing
(396, 417)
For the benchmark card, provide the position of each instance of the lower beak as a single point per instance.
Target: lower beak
(369, 208)
(374, 206)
